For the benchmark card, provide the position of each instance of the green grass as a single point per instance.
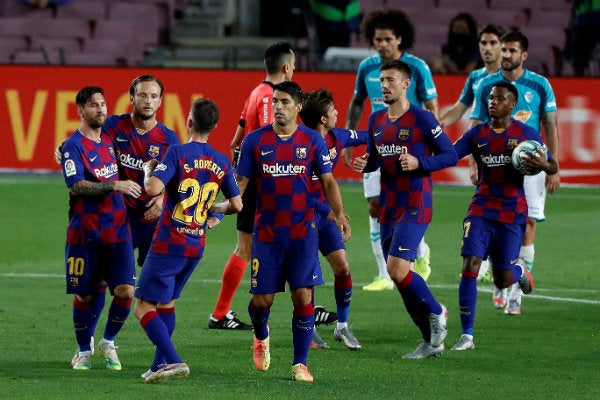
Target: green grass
(552, 351)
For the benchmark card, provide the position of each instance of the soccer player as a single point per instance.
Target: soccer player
(407, 144)
(281, 158)
(280, 62)
(99, 246)
(497, 216)
(489, 48)
(318, 112)
(138, 137)
(535, 106)
(191, 175)
(392, 34)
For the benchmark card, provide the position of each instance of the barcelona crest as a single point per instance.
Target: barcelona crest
(301, 152)
(333, 153)
(512, 143)
(403, 134)
(153, 151)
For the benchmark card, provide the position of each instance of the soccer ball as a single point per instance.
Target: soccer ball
(518, 155)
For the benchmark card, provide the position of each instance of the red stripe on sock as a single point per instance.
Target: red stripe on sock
(342, 282)
(304, 310)
(169, 310)
(146, 318)
(123, 303)
(406, 281)
(80, 305)
(469, 274)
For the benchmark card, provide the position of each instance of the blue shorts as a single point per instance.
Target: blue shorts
(293, 260)
(485, 237)
(163, 277)
(86, 266)
(402, 239)
(330, 237)
(142, 232)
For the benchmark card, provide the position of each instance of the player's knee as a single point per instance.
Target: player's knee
(124, 291)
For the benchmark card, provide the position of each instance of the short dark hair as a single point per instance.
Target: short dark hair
(395, 20)
(291, 88)
(276, 55)
(144, 78)
(85, 94)
(398, 65)
(315, 105)
(493, 29)
(516, 36)
(508, 86)
(205, 115)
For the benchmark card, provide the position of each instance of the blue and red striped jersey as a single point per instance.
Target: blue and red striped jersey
(282, 170)
(336, 139)
(134, 149)
(194, 174)
(499, 195)
(93, 219)
(407, 195)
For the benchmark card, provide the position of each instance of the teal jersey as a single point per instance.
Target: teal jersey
(536, 98)
(467, 96)
(420, 90)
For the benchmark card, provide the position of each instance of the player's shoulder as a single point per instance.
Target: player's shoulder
(369, 63)
(113, 120)
(414, 61)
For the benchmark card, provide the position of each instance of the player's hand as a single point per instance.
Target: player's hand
(344, 227)
(473, 174)
(347, 153)
(552, 182)
(408, 162)
(360, 163)
(57, 154)
(153, 208)
(149, 166)
(211, 222)
(130, 188)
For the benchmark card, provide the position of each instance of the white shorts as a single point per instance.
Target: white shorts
(372, 184)
(535, 193)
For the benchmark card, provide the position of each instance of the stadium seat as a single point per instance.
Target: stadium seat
(156, 24)
(125, 55)
(15, 27)
(84, 9)
(64, 27)
(134, 31)
(344, 59)
(15, 9)
(93, 59)
(8, 44)
(31, 56)
(58, 48)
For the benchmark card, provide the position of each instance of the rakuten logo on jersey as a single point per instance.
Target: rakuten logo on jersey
(495, 160)
(131, 162)
(387, 150)
(283, 169)
(106, 171)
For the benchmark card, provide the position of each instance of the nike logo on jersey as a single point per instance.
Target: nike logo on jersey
(480, 145)
(315, 276)
(93, 158)
(264, 153)
(378, 133)
(402, 249)
(122, 140)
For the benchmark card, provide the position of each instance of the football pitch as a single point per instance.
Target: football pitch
(552, 351)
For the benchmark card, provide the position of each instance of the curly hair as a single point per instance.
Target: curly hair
(395, 20)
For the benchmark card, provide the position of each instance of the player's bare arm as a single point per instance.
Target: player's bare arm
(88, 188)
(549, 121)
(334, 198)
(355, 111)
(433, 106)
